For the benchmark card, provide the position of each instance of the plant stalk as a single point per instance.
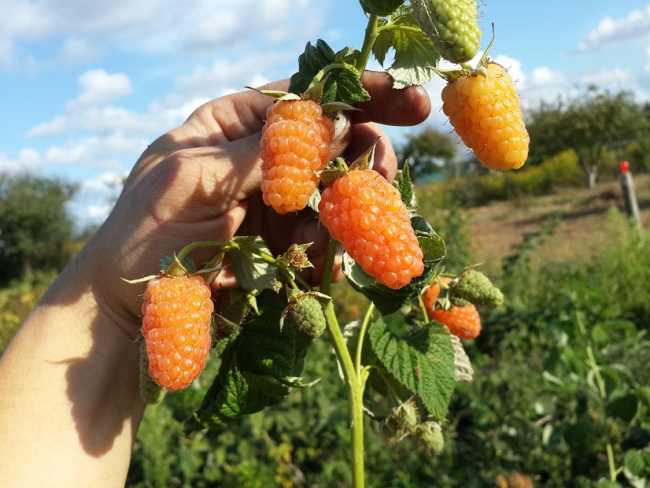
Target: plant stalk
(368, 42)
(593, 365)
(351, 379)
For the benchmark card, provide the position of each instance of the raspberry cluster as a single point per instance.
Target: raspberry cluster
(486, 114)
(176, 328)
(464, 322)
(452, 26)
(366, 214)
(295, 145)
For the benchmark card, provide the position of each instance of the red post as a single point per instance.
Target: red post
(629, 195)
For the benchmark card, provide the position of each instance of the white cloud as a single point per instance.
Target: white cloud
(28, 161)
(58, 125)
(154, 26)
(78, 50)
(99, 88)
(636, 24)
(615, 78)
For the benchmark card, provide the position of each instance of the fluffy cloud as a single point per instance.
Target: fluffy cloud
(609, 31)
(99, 88)
(154, 26)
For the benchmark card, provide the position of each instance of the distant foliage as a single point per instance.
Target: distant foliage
(35, 226)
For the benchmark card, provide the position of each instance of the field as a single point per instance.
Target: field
(559, 396)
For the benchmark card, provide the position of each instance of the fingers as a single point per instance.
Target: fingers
(242, 114)
(409, 106)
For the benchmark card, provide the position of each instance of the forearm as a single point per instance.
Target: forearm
(70, 406)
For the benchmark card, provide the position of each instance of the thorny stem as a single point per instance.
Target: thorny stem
(350, 377)
(591, 360)
(368, 42)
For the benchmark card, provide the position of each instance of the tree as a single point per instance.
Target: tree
(587, 123)
(426, 151)
(35, 227)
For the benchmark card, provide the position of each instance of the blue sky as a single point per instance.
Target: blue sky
(87, 85)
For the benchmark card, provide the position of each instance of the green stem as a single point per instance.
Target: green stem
(355, 395)
(319, 76)
(424, 309)
(362, 335)
(368, 42)
(328, 267)
(190, 247)
(350, 377)
(593, 365)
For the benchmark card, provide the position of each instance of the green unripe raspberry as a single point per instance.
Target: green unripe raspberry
(307, 313)
(150, 392)
(477, 288)
(431, 434)
(452, 26)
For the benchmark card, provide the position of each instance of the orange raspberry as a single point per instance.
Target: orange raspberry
(486, 114)
(295, 145)
(365, 213)
(464, 322)
(176, 328)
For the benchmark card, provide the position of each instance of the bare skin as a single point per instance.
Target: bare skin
(70, 405)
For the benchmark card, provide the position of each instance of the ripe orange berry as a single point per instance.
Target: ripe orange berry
(176, 328)
(295, 145)
(365, 213)
(486, 114)
(464, 322)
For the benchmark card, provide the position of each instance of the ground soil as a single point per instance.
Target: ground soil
(497, 227)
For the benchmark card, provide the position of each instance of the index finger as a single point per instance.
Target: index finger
(241, 114)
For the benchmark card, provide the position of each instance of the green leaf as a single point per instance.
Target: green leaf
(314, 200)
(257, 365)
(637, 461)
(580, 436)
(344, 85)
(404, 186)
(382, 8)
(310, 62)
(422, 360)
(623, 406)
(251, 270)
(166, 260)
(600, 336)
(415, 55)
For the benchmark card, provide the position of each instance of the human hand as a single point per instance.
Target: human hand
(200, 182)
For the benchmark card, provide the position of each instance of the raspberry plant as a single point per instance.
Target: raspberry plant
(402, 376)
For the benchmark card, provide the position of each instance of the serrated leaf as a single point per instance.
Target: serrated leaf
(347, 55)
(382, 8)
(250, 269)
(382, 45)
(310, 62)
(415, 57)
(405, 186)
(344, 85)
(258, 364)
(422, 360)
